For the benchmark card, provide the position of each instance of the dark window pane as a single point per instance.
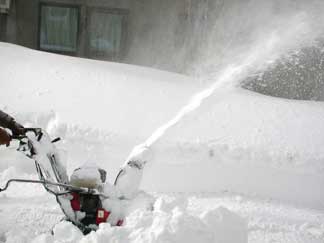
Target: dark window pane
(59, 28)
(105, 34)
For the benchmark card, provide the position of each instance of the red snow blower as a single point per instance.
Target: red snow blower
(81, 204)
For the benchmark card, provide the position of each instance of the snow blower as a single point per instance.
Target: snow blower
(79, 198)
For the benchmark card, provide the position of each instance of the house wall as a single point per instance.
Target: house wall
(158, 32)
(3, 27)
(23, 20)
(26, 23)
(164, 34)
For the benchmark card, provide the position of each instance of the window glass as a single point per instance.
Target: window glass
(105, 34)
(59, 28)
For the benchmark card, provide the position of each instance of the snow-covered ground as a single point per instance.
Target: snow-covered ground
(22, 220)
(242, 165)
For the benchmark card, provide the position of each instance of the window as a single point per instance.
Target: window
(58, 28)
(106, 33)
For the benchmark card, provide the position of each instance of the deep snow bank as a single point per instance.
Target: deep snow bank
(169, 222)
(236, 141)
(247, 143)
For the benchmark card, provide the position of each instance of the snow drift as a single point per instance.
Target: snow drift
(167, 224)
(237, 141)
(170, 222)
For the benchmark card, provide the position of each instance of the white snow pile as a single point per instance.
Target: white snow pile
(269, 151)
(238, 140)
(169, 222)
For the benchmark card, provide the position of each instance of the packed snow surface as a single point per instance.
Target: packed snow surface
(242, 165)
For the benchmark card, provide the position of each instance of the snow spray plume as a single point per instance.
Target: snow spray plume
(265, 50)
(191, 36)
(269, 42)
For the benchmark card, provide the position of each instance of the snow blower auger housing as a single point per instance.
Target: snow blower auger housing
(81, 205)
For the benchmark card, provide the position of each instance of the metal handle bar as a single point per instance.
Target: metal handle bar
(45, 183)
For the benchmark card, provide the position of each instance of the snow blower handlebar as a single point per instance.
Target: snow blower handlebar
(25, 145)
(23, 139)
(46, 183)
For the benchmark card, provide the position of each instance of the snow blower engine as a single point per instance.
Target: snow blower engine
(79, 198)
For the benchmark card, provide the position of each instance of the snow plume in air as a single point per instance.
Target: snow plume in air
(198, 37)
(266, 50)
